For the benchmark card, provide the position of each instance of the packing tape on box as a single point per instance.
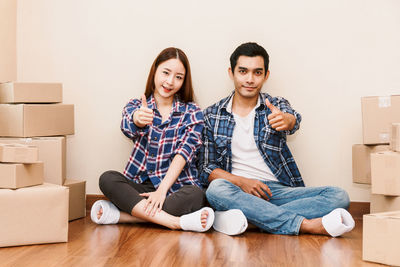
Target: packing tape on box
(384, 137)
(395, 138)
(384, 101)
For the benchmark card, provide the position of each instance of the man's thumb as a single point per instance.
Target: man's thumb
(269, 105)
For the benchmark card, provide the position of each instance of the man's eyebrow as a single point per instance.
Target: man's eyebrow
(256, 69)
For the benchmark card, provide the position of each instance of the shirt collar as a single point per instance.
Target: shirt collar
(177, 105)
(228, 103)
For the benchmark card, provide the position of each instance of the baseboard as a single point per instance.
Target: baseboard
(90, 199)
(357, 209)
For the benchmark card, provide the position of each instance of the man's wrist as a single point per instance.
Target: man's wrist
(292, 120)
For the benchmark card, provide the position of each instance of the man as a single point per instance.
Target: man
(247, 164)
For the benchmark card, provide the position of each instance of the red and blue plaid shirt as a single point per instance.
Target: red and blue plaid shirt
(154, 146)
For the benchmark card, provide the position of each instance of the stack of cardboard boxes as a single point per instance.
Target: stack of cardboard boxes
(377, 162)
(36, 200)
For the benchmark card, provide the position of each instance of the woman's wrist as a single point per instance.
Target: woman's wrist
(162, 189)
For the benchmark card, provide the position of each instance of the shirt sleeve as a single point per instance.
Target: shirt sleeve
(207, 155)
(285, 107)
(128, 127)
(191, 139)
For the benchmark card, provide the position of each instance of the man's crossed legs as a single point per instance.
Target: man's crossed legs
(290, 210)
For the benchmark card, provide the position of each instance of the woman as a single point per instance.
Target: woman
(160, 182)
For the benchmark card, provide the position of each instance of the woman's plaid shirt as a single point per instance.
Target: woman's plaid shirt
(155, 146)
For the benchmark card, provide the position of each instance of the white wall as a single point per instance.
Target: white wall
(8, 45)
(324, 56)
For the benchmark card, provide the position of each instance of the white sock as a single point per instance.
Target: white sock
(230, 222)
(192, 221)
(110, 212)
(338, 222)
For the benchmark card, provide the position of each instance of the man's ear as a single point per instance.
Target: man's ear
(230, 73)
(266, 76)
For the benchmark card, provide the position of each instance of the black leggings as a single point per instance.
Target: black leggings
(125, 194)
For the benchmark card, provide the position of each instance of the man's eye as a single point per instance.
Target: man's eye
(242, 71)
(258, 72)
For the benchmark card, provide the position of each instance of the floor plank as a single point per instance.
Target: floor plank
(149, 245)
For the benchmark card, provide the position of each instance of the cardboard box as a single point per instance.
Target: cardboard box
(362, 161)
(395, 137)
(52, 151)
(77, 198)
(8, 40)
(381, 232)
(26, 120)
(18, 153)
(385, 173)
(382, 203)
(378, 113)
(17, 175)
(16, 92)
(34, 215)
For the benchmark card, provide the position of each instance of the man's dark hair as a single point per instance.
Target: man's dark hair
(249, 50)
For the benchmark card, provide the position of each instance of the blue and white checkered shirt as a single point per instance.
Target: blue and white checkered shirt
(155, 146)
(216, 151)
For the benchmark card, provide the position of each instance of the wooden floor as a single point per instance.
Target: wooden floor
(92, 245)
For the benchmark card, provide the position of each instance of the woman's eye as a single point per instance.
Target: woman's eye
(179, 77)
(165, 72)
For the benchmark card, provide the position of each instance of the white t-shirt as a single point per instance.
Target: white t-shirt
(246, 159)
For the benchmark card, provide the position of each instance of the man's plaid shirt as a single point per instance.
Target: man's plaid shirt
(216, 151)
(155, 146)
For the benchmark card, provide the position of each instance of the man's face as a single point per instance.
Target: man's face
(249, 76)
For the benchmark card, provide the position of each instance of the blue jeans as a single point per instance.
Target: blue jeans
(286, 209)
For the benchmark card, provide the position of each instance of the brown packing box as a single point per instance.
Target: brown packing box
(362, 162)
(378, 113)
(382, 203)
(381, 232)
(77, 198)
(15, 92)
(52, 151)
(17, 175)
(34, 215)
(25, 120)
(18, 153)
(395, 137)
(385, 173)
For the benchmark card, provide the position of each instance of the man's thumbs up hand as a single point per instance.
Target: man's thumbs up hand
(143, 116)
(278, 120)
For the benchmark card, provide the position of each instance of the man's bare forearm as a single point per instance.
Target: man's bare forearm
(220, 173)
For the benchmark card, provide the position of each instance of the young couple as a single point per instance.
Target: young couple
(240, 146)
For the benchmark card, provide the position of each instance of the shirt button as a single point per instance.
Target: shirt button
(155, 138)
(150, 172)
(152, 155)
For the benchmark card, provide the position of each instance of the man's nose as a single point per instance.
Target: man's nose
(250, 78)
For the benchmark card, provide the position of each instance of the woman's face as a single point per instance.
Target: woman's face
(169, 78)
